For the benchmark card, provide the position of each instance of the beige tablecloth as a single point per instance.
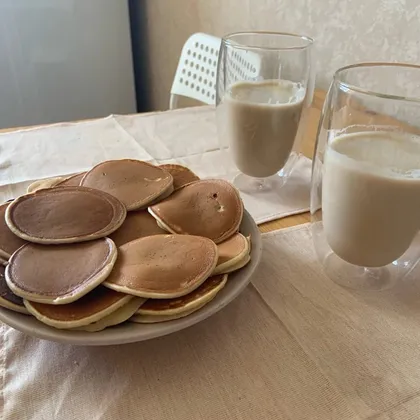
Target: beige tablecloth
(292, 346)
(187, 136)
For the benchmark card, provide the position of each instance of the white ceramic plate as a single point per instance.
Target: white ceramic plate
(131, 332)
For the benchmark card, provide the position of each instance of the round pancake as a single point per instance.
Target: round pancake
(72, 181)
(153, 319)
(44, 183)
(9, 242)
(234, 267)
(117, 317)
(92, 307)
(211, 208)
(231, 252)
(133, 182)
(65, 215)
(197, 298)
(162, 197)
(163, 266)
(8, 299)
(181, 175)
(138, 224)
(60, 274)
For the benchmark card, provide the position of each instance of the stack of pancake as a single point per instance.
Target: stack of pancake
(126, 240)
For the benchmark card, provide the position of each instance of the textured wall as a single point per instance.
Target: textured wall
(345, 31)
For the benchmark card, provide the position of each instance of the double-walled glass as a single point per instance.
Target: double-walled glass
(365, 196)
(264, 89)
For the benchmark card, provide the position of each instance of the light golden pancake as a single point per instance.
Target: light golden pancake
(116, 317)
(133, 182)
(154, 319)
(210, 208)
(196, 299)
(181, 175)
(163, 266)
(65, 215)
(72, 181)
(7, 298)
(92, 307)
(44, 183)
(237, 266)
(9, 242)
(232, 252)
(60, 274)
(138, 224)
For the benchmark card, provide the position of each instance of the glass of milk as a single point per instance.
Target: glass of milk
(365, 196)
(263, 91)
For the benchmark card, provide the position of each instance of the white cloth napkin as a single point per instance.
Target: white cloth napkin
(186, 136)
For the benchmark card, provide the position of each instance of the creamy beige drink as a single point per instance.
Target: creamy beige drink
(371, 196)
(260, 122)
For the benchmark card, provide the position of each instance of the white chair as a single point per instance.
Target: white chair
(196, 73)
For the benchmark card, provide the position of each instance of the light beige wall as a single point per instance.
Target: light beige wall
(346, 31)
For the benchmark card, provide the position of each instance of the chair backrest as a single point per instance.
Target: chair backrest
(196, 74)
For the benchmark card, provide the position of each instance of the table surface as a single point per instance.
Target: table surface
(307, 149)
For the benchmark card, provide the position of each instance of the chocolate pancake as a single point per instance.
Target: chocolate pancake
(9, 242)
(133, 182)
(210, 208)
(197, 298)
(7, 298)
(181, 175)
(64, 215)
(44, 183)
(92, 307)
(163, 266)
(116, 317)
(72, 181)
(138, 224)
(60, 274)
(232, 253)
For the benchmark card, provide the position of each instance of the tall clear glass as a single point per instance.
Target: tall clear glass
(264, 89)
(365, 196)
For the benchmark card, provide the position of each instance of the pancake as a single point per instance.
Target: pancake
(181, 175)
(210, 208)
(96, 305)
(153, 319)
(65, 215)
(163, 266)
(232, 252)
(162, 197)
(138, 224)
(9, 242)
(72, 181)
(8, 299)
(117, 317)
(194, 300)
(60, 274)
(235, 267)
(135, 183)
(44, 183)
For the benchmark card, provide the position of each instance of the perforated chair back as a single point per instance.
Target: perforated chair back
(196, 73)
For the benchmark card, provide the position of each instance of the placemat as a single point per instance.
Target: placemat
(186, 136)
(292, 346)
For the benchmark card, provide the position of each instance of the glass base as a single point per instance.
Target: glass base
(364, 278)
(359, 278)
(250, 185)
